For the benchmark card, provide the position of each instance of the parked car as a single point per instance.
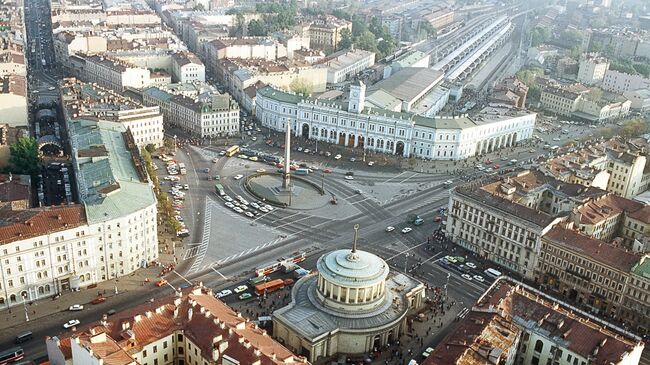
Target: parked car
(161, 282)
(466, 277)
(76, 307)
(390, 229)
(245, 296)
(407, 229)
(98, 300)
(241, 288)
(224, 293)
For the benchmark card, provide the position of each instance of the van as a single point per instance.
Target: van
(492, 273)
(24, 337)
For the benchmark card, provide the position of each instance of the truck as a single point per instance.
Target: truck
(414, 219)
(182, 169)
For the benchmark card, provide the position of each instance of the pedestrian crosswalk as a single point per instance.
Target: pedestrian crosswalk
(243, 253)
(198, 252)
(440, 194)
(205, 154)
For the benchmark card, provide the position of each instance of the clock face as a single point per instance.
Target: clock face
(355, 94)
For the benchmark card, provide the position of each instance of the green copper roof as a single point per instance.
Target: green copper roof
(643, 267)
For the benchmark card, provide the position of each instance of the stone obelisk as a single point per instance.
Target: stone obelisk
(286, 177)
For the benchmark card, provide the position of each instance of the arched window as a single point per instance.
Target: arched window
(539, 346)
(47, 288)
(41, 290)
(2, 300)
(12, 298)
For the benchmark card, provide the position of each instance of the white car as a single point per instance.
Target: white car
(348, 177)
(407, 230)
(390, 229)
(471, 265)
(215, 160)
(76, 307)
(224, 293)
(238, 210)
(249, 214)
(269, 208)
(241, 289)
(337, 157)
(51, 88)
(186, 187)
(71, 323)
(255, 205)
(371, 163)
(230, 205)
(264, 210)
(261, 171)
(466, 277)
(479, 278)
(237, 177)
(227, 198)
(352, 159)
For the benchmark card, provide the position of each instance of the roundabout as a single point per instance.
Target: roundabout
(301, 194)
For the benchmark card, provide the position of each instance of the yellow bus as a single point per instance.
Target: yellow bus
(232, 151)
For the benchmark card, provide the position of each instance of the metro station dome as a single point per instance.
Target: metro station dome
(351, 280)
(352, 305)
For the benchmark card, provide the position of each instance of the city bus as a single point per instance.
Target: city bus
(274, 266)
(11, 355)
(269, 287)
(231, 151)
(301, 171)
(492, 273)
(219, 190)
(255, 280)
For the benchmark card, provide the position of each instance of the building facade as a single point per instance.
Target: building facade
(325, 33)
(186, 67)
(591, 69)
(204, 116)
(385, 131)
(345, 64)
(113, 74)
(620, 82)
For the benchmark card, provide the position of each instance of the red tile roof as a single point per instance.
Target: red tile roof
(511, 303)
(595, 249)
(23, 224)
(206, 321)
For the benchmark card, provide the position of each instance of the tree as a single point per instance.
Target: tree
(301, 86)
(642, 68)
(341, 14)
(24, 157)
(151, 148)
(366, 41)
(428, 28)
(571, 37)
(257, 28)
(346, 39)
(539, 36)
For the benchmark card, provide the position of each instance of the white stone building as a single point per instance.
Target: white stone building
(204, 115)
(345, 64)
(84, 100)
(114, 74)
(113, 232)
(639, 99)
(353, 124)
(592, 69)
(620, 82)
(187, 67)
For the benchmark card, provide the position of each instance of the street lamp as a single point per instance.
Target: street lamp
(24, 295)
(406, 258)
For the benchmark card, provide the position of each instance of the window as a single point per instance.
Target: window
(539, 346)
(180, 337)
(144, 353)
(155, 349)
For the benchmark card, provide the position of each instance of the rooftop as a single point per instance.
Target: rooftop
(209, 323)
(22, 224)
(112, 181)
(512, 308)
(408, 84)
(597, 250)
(342, 59)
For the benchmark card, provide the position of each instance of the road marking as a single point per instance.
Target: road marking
(217, 271)
(182, 277)
(414, 174)
(298, 220)
(410, 248)
(279, 219)
(401, 173)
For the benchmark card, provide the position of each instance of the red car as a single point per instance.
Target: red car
(327, 171)
(98, 300)
(437, 219)
(161, 282)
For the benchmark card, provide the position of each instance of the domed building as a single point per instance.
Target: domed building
(351, 306)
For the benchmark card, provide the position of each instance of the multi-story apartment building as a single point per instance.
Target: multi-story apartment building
(186, 67)
(591, 69)
(607, 279)
(114, 74)
(639, 100)
(204, 116)
(561, 100)
(388, 131)
(263, 48)
(440, 18)
(112, 233)
(615, 165)
(238, 74)
(190, 327)
(345, 64)
(325, 32)
(510, 91)
(84, 100)
(12, 63)
(620, 82)
(512, 323)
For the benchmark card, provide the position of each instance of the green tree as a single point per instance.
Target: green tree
(571, 37)
(366, 41)
(302, 86)
(428, 29)
(539, 36)
(151, 148)
(24, 157)
(257, 28)
(346, 39)
(359, 26)
(642, 68)
(341, 14)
